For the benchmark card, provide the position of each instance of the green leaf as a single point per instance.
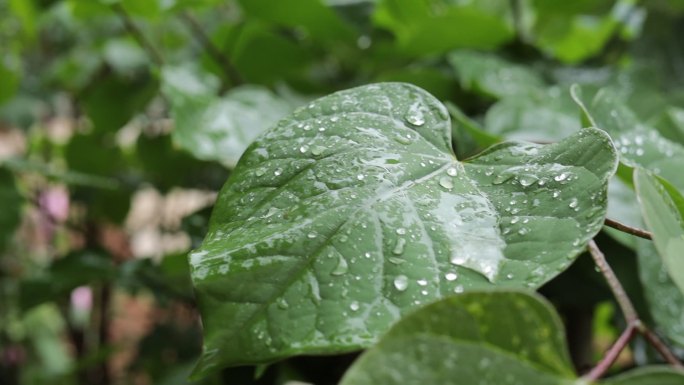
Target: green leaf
(354, 210)
(318, 20)
(665, 300)
(577, 31)
(214, 128)
(437, 26)
(490, 75)
(481, 337)
(663, 209)
(649, 375)
(11, 199)
(638, 144)
(545, 115)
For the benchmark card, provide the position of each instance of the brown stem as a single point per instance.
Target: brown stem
(222, 60)
(612, 354)
(661, 348)
(628, 229)
(623, 300)
(137, 34)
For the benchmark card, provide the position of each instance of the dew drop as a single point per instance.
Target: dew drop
(451, 276)
(282, 303)
(303, 149)
(560, 177)
(260, 172)
(458, 289)
(401, 282)
(451, 171)
(422, 282)
(414, 116)
(311, 235)
(278, 172)
(318, 150)
(446, 182)
(401, 231)
(341, 267)
(399, 246)
(573, 203)
(396, 261)
(360, 177)
(354, 306)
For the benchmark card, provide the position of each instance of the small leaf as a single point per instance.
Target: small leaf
(663, 209)
(214, 128)
(354, 210)
(479, 337)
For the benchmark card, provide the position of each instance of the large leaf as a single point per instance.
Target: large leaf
(215, 128)
(354, 209)
(663, 209)
(474, 338)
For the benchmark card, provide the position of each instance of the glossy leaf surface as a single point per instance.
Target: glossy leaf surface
(354, 210)
(474, 338)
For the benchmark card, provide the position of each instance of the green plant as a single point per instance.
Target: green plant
(472, 202)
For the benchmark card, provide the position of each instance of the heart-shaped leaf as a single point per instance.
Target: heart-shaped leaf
(354, 210)
(473, 338)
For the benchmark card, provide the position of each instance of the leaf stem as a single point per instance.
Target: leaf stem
(612, 354)
(628, 229)
(634, 323)
(661, 348)
(137, 34)
(623, 300)
(222, 60)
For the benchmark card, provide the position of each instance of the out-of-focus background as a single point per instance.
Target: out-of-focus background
(121, 119)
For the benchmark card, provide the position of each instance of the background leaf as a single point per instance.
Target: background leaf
(477, 337)
(663, 209)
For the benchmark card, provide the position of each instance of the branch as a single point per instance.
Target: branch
(659, 346)
(137, 34)
(623, 300)
(612, 354)
(222, 60)
(628, 229)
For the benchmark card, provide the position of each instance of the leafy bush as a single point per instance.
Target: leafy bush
(417, 192)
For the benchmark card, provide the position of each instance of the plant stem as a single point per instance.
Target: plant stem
(137, 34)
(222, 60)
(628, 229)
(623, 300)
(612, 354)
(658, 345)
